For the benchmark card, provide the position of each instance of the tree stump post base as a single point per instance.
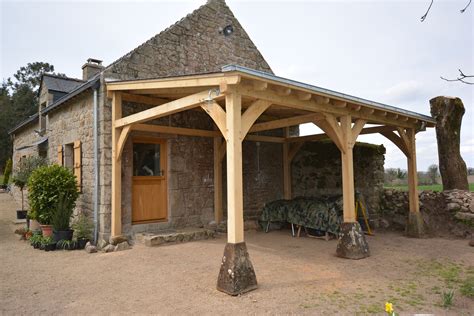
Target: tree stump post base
(415, 226)
(236, 275)
(352, 243)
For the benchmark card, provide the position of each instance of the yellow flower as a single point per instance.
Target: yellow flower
(388, 307)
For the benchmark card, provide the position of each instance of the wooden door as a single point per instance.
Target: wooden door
(149, 193)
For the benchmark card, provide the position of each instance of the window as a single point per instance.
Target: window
(70, 156)
(146, 159)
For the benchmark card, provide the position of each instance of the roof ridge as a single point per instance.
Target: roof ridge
(63, 77)
(160, 33)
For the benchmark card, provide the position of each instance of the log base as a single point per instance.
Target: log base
(236, 275)
(352, 243)
(415, 225)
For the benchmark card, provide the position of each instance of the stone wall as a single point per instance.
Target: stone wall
(72, 122)
(447, 213)
(316, 170)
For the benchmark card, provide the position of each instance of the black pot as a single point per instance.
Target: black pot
(62, 235)
(21, 214)
(50, 247)
(36, 245)
(81, 243)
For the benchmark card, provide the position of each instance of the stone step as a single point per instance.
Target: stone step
(152, 239)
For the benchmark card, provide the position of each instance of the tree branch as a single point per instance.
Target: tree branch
(461, 78)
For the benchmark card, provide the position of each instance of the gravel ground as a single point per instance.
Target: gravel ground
(295, 275)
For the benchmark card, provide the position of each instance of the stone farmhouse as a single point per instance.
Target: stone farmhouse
(193, 127)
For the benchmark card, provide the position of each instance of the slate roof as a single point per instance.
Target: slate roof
(61, 84)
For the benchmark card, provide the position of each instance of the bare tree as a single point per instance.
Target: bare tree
(433, 173)
(462, 77)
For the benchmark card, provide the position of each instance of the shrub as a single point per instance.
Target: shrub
(8, 171)
(44, 187)
(83, 227)
(63, 212)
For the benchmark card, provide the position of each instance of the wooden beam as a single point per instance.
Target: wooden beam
(218, 210)
(286, 168)
(332, 128)
(283, 91)
(317, 137)
(413, 198)
(296, 120)
(174, 130)
(142, 99)
(339, 103)
(291, 101)
(217, 113)
(252, 113)
(235, 215)
(294, 150)
(122, 139)
(260, 85)
(357, 129)
(397, 140)
(347, 170)
(116, 211)
(179, 105)
(304, 96)
(180, 82)
(322, 100)
(262, 138)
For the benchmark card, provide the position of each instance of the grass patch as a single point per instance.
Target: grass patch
(433, 187)
(467, 287)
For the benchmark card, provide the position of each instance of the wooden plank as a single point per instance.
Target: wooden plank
(176, 82)
(174, 130)
(218, 210)
(122, 139)
(356, 130)
(215, 111)
(179, 105)
(235, 215)
(318, 137)
(60, 155)
(413, 198)
(296, 120)
(78, 164)
(347, 171)
(252, 113)
(262, 138)
(116, 210)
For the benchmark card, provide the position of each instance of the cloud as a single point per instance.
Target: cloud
(404, 91)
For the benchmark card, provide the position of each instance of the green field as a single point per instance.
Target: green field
(433, 187)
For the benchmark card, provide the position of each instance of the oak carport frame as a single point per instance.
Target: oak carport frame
(243, 102)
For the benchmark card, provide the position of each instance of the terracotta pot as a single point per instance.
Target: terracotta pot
(47, 230)
(34, 225)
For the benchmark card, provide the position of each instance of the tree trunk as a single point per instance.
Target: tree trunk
(448, 112)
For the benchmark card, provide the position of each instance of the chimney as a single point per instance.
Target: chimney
(91, 68)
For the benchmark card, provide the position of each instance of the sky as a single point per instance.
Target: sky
(378, 50)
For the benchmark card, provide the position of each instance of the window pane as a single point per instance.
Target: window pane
(146, 159)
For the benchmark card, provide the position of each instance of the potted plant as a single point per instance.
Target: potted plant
(82, 230)
(45, 186)
(48, 243)
(20, 178)
(61, 218)
(66, 244)
(35, 240)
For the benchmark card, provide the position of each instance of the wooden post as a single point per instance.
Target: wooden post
(116, 210)
(347, 170)
(218, 212)
(412, 174)
(286, 167)
(235, 214)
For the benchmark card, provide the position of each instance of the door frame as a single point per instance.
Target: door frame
(163, 165)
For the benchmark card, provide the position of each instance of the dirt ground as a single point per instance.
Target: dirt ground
(296, 276)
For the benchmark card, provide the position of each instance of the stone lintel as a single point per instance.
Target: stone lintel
(415, 226)
(352, 243)
(236, 275)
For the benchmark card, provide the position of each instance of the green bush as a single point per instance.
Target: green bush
(8, 171)
(83, 227)
(44, 187)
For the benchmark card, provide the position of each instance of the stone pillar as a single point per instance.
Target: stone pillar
(448, 112)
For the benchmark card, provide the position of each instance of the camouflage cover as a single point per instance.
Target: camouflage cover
(320, 213)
